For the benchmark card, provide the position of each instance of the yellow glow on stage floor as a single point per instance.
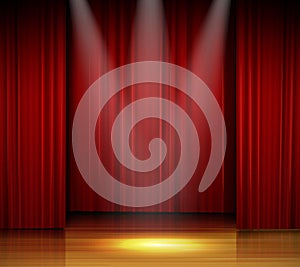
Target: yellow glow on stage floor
(161, 245)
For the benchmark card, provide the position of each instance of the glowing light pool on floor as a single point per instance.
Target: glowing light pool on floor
(161, 244)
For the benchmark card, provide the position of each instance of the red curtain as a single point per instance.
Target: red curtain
(268, 129)
(32, 114)
(115, 23)
(32, 109)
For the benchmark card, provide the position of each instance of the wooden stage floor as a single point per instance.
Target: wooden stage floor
(149, 240)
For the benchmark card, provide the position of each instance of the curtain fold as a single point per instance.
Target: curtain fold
(268, 83)
(32, 119)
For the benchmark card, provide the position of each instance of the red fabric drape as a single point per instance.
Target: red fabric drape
(268, 129)
(115, 22)
(32, 109)
(32, 114)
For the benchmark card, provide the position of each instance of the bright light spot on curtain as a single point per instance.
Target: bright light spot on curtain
(149, 38)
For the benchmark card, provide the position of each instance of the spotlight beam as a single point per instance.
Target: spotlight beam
(208, 50)
(91, 46)
(149, 38)
(207, 56)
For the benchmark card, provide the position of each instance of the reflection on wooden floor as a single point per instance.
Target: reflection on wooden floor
(142, 240)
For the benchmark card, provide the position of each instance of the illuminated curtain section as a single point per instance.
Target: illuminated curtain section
(32, 114)
(268, 82)
(104, 35)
